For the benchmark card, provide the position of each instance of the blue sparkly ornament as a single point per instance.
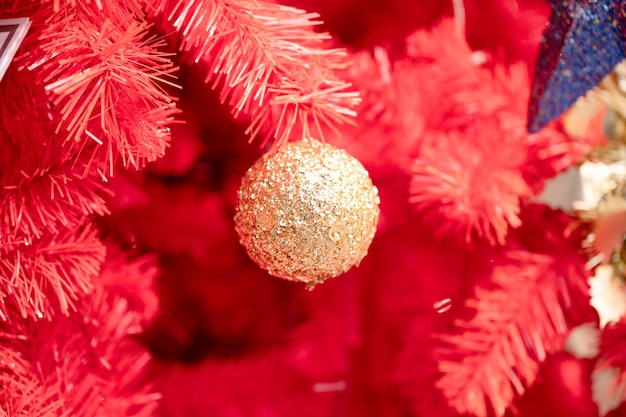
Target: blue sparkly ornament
(583, 42)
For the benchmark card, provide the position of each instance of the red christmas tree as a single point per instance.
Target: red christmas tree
(124, 133)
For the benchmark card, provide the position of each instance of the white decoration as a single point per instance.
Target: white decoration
(608, 295)
(583, 341)
(607, 393)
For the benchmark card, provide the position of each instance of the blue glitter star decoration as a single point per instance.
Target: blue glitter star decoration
(583, 42)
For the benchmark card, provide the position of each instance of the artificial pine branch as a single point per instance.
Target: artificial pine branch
(492, 164)
(21, 391)
(43, 191)
(269, 61)
(88, 363)
(105, 76)
(48, 201)
(49, 275)
(49, 253)
(475, 191)
(84, 91)
(492, 357)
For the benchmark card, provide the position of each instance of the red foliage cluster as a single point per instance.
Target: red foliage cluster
(287, 75)
(518, 314)
(461, 134)
(86, 363)
(49, 252)
(441, 128)
(90, 91)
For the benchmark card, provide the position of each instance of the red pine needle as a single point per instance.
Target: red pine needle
(475, 189)
(49, 276)
(43, 191)
(491, 358)
(270, 63)
(526, 298)
(87, 363)
(103, 72)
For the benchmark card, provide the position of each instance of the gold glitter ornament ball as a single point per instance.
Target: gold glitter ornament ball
(307, 212)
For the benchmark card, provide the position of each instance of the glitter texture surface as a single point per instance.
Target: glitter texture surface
(308, 212)
(583, 42)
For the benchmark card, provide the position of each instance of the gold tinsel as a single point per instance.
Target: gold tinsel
(604, 172)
